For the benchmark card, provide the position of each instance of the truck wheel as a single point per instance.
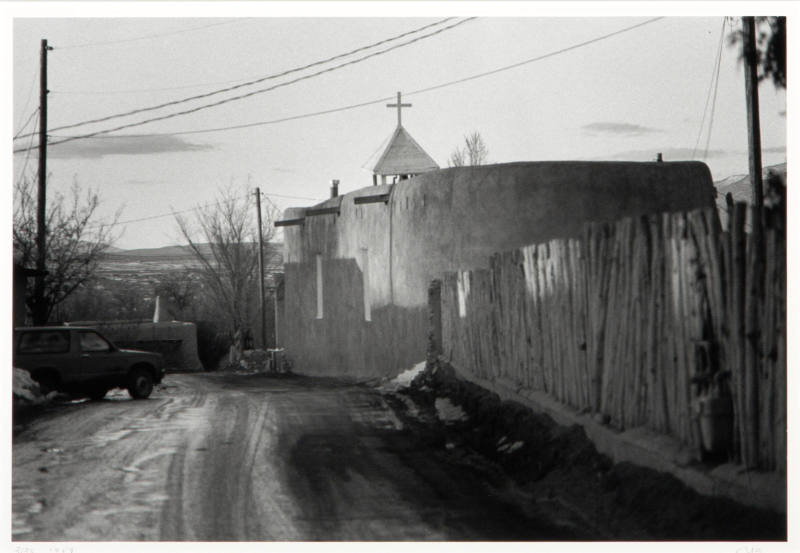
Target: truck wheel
(47, 382)
(140, 384)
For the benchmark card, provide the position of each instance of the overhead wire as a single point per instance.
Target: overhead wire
(247, 125)
(140, 90)
(25, 125)
(30, 95)
(714, 71)
(199, 207)
(378, 149)
(197, 85)
(269, 77)
(259, 91)
(711, 117)
(28, 152)
(148, 37)
(713, 103)
(535, 59)
(384, 99)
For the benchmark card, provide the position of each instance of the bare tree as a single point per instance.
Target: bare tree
(228, 255)
(129, 303)
(474, 151)
(74, 245)
(179, 290)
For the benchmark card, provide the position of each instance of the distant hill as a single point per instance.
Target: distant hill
(740, 188)
(739, 185)
(143, 269)
(145, 253)
(166, 252)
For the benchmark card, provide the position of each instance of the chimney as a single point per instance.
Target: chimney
(659, 157)
(334, 188)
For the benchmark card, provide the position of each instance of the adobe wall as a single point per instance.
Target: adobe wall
(441, 221)
(175, 340)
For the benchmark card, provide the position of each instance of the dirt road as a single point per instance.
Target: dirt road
(216, 457)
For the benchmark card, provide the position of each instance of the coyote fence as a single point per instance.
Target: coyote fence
(635, 321)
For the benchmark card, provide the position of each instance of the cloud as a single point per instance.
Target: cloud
(625, 129)
(94, 148)
(282, 170)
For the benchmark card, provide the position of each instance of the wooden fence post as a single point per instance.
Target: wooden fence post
(434, 320)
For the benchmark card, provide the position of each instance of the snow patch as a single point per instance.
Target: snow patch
(447, 412)
(26, 389)
(411, 407)
(510, 447)
(117, 393)
(404, 379)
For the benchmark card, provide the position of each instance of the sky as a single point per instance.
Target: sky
(628, 96)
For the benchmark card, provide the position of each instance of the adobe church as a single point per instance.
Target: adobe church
(357, 266)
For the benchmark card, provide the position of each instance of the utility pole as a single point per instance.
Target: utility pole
(275, 305)
(753, 119)
(755, 276)
(40, 311)
(261, 271)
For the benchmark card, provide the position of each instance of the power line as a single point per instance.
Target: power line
(537, 58)
(30, 94)
(259, 91)
(199, 207)
(268, 77)
(713, 106)
(146, 37)
(260, 79)
(28, 150)
(247, 125)
(290, 197)
(379, 148)
(139, 90)
(714, 71)
(25, 125)
(381, 100)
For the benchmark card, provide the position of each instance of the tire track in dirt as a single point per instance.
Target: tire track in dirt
(96, 471)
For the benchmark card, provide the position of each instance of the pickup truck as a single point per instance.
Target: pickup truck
(80, 361)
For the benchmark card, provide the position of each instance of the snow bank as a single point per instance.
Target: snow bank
(404, 379)
(26, 390)
(447, 412)
(504, 446)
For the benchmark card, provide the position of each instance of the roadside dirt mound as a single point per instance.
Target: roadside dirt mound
(558, 468)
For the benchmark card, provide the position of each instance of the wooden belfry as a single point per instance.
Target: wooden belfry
(403, 157)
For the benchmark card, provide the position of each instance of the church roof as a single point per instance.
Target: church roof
(403, 156)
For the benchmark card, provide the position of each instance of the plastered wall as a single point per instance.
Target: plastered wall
(447, 220)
